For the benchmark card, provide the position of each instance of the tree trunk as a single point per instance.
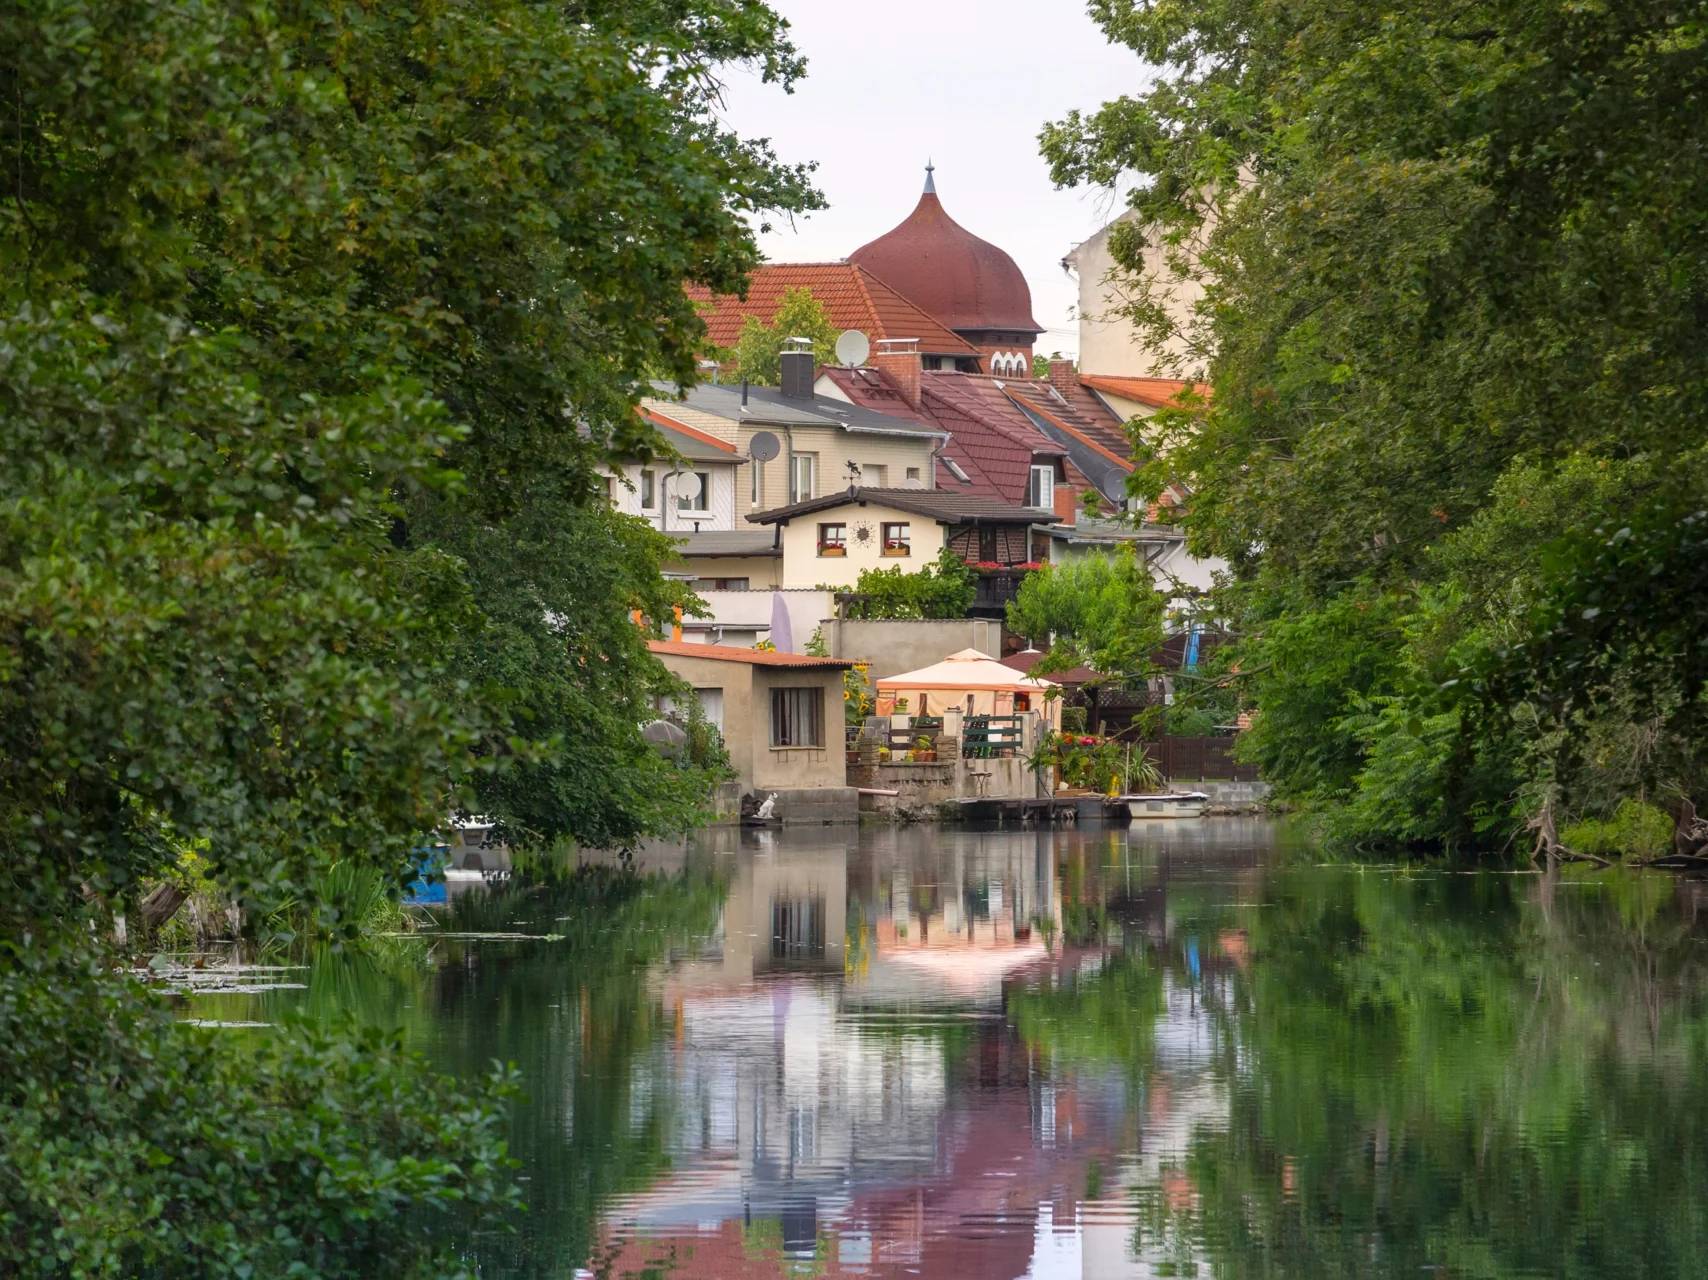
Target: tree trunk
(161, 905)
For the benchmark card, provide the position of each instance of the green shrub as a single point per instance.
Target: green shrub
(1635, 830)
(1073, 719)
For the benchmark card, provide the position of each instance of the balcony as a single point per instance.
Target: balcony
(996, 586)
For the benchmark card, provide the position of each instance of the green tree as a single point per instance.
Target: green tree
(945, 588)
(758, 349)
(1450, 250)
(315, 326)
(1099, 610)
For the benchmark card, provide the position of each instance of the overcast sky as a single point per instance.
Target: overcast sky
(965, 83)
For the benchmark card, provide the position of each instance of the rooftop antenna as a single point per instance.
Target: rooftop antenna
(930, 182)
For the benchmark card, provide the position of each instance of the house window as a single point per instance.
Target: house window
(649, 490)
(833, 539)
(913, 477)
(874, 476)
(699, 500)
(797, 717)
(803, 470)
(898, 539)
(1041, 492)
(758, 475)
(720, 584)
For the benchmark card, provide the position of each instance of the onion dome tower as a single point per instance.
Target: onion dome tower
(967, 284)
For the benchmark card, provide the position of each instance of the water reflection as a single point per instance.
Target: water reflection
(1178, 1049)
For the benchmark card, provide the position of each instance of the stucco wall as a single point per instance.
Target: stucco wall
(747, 722)
(834, 449)
(1108, 344)
(751, 611)
(924, 785)
(804, 567)
(893, 646)
(761, 572)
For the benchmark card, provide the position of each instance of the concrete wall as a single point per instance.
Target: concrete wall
(812, 780)
(803, 566)
(923, 786)
(750, 612)
(893, 646)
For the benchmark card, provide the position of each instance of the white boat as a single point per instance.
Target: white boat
(1168, 804)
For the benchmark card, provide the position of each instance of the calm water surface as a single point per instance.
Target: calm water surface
(1173, 1050)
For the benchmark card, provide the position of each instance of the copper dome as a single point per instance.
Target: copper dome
(944, 269)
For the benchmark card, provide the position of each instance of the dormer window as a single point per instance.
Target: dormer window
(1041, 491)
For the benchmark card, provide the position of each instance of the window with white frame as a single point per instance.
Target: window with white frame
(649, 490)
(758, 481)
(804, 471)
(874, 475)
(1041, 492)
(797, 717)
(913, 477)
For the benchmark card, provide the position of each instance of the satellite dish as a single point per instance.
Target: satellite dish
(764, 446)
(687, 485)
(852, 347)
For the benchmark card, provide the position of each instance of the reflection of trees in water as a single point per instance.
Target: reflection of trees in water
(1500, 1075)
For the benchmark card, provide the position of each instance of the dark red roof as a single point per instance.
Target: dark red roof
(853, 298)
(962, 281)
(1097, 428)
(992, 440)
(1026, 659)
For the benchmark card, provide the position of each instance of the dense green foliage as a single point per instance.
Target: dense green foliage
(759, 348)
(1454, 326)
(945, 588)
(1098, 610)
(316, 325)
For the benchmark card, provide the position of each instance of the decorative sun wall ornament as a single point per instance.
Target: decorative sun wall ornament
(862, 533)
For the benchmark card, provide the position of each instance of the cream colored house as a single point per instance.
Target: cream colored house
(830, 541)
(692, 486)
(782, 720)
(1109, 344)
(822, 444)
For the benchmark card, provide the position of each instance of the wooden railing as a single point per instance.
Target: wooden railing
(991, 737)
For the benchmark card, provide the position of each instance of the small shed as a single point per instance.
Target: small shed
(974, 684)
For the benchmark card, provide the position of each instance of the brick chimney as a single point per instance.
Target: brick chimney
(1067, 505)
(900, 359)
(1063, 376)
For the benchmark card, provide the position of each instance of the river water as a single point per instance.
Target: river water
(1177, 1049)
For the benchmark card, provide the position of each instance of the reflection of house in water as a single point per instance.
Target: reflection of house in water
(846, 1097)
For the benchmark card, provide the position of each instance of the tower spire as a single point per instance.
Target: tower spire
(930, 182)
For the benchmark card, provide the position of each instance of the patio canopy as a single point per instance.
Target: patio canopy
(968, 669)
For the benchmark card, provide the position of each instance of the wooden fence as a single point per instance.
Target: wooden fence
(1199, 759)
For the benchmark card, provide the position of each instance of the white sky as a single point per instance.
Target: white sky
(965, 83)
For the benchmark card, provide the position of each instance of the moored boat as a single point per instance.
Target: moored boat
(1167, 804)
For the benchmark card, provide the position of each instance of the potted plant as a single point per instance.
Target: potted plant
(900, 718)
(924, 750)
(883, 755)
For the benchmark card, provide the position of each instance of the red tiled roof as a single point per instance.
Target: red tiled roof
(733, 653)
(1152, 391)
(853, 297)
